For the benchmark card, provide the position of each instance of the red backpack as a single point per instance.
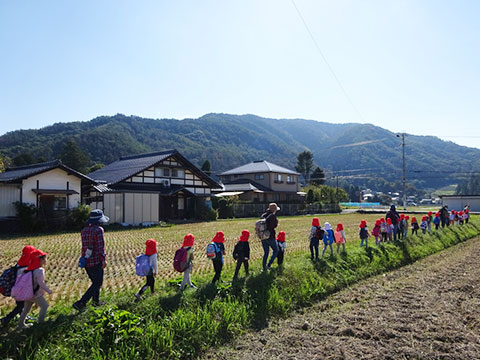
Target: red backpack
(180, 261)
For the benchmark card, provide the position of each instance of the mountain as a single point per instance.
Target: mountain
(228, 141)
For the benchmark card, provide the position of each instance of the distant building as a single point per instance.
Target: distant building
(51, 186)
(262, 182)
(148, 188)
(458, 202)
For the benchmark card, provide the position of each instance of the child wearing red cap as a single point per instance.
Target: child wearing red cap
(241, 253)
(188, 242)
(436, 220)
(424, 224)
(316, 233)
(429, 221)
(340, 238)
(383, 229)
(460, 217)
(20, 267)
(37, 259)
(282, 245)
(452, 217)
(466, 214)
(364, 234)
(390, 229)
(376, 232)
(218, 240)
(401, 226)
(405, 229)
(151, 252)
(414, 226)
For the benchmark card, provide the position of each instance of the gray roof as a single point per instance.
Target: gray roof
(21, 172)
(128, 166)
(259, 167)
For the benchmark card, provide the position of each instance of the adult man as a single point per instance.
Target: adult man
(444, 216)
(93, 251)
(272, 222)
(393, 215)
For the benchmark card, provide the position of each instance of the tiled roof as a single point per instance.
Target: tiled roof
(128, 166)
(22, 172)
(244, 185)
(259, 167)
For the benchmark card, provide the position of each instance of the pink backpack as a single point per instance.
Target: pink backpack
(23, 288)
(180, 261)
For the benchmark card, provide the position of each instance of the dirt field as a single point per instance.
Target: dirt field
(428, 310)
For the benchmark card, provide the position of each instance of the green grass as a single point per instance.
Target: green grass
(172, 325)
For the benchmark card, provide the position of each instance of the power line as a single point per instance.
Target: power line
(328, 64)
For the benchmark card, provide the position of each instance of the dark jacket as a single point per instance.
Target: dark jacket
(272, 222)
(242, 249)
(393, 215)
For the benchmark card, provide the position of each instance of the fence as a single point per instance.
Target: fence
(255, 210)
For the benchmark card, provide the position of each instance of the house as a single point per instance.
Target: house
(263, 182)
(148, 188)
(458, 202)
(51, 186)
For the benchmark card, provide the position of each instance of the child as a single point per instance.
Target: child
(37, 259)
(414, 226)
(22, 264)
(460, 217)
(241, 253)
(452, 217)
(188, 242)
(436, 220)
(405, 228)
(389, 229)
(316, 233)
(151, 252)
(401, 225)
(218, 240)
(429, 221)
(376, 232)
(340, 238)
(424, 225)
(282, 245)
(364, 234)
(466, 215)
(328, 238)
(383, 229)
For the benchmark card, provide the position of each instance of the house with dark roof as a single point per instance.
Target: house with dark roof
(262, 182)
(51, 186)
(148, 188)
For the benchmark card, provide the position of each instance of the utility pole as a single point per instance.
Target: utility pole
(402, 135)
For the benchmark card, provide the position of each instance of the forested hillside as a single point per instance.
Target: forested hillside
(232, 140)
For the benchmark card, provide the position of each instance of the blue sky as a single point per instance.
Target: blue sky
(408, 66)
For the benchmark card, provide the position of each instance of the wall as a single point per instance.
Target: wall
(55, 179)
(139, 208)
(458, 202)
(284, 186)
(8, 195)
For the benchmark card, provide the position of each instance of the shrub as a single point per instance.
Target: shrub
(78, 216)
(27, 214)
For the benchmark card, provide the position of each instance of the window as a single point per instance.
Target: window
(289, 179)
(166, 172)
(278, 178)
(259, 176)
(60, 202)
(158, 172)
(174, 173)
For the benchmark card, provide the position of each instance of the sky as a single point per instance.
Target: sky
(408, 66)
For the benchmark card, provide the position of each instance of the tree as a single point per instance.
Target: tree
(4, 163)
(23, 159)
(310, 196)
(94, 167)
(305, 164)
(318, 177)
(74, 157)
(206, 167)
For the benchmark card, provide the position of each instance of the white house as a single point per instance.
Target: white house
(50, 186)
(458, 202)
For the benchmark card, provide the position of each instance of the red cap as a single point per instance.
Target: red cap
(26, 253)
(151, 247)
(424, 218)
(389, 221)
(245, 235)
(188, 240)
(414, 219)
(407, 217)
(382, 220)
(281, 236)
(363, 224)
(402, 216)
(35, 259)
(430, 213)
(339, 227)
(315, 222)
(378, 222)
(219, 237)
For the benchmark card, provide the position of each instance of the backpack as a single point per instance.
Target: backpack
(23, 289)
(180, 261)
(7, 280)
(261, 228)
(236, 251)
(211, 251)
(319, 232)
(142, 265)
(363, 233)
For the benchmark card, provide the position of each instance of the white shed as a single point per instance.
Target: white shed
(458, 202)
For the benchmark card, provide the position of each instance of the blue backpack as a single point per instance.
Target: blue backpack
(211, 251)
(142, 266)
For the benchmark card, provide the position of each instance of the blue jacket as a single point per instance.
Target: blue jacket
(328, 237)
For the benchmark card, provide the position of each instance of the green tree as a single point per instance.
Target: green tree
(94, 167)
(310, 196)
(318, 177)
(74, 157)
(23, 159)
(305, 164)
(206, 168)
